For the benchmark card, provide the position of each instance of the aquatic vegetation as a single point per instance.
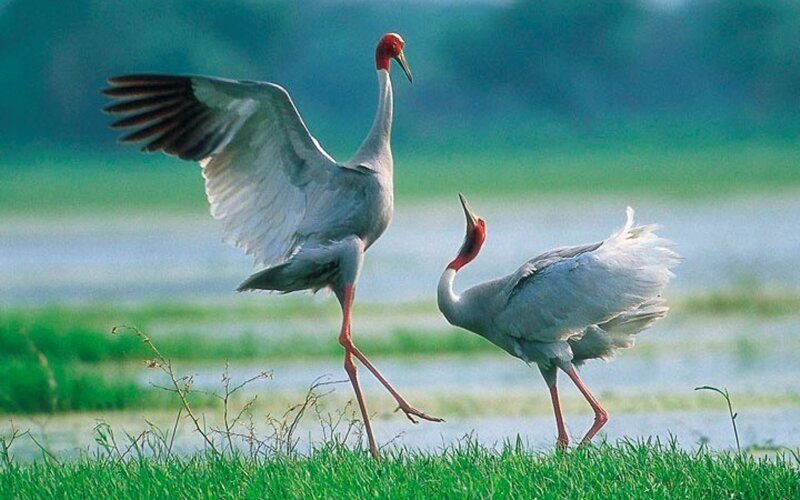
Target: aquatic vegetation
(749, 300)
(61, 358)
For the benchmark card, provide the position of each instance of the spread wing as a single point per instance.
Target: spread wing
(260, 163)
(561, 293)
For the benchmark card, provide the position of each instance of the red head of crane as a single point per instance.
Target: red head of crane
(391, 47)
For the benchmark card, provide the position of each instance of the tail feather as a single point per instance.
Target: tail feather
(311, 267)
(629, 213)
(291, 276)
(271, 278)
(632, 322)
(642, 262)
(602, 341)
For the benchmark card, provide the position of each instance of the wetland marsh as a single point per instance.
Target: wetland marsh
(735, 321)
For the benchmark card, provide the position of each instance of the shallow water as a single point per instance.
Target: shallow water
(689, 428)
(138, 258)
(648, 390)
(181, 258)
(679, 372)
(73, 436)
(749, 355)
(499, 397)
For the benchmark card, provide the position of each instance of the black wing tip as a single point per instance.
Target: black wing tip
(118, 107)
(123, 106)
(137, 78)
(139, 84)
(162, 112)
(144, 90)
(127, 139)
(127, 122)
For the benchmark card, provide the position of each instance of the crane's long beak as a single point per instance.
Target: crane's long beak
(401, 60)
(472, 219)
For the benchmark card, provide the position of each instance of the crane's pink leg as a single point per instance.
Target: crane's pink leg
(550, 375)
(600, 414)
(563, 437)
(347, 342)
(402, 404)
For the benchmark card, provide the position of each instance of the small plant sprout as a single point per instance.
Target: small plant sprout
(733, 415)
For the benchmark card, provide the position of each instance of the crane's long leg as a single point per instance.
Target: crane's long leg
(600, 414)
(402, 404)
(347, 342)
(550, 374)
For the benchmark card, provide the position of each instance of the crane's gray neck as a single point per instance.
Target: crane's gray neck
(449, 302)
(375, 149)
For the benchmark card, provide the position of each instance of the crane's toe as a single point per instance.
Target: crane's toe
(412, 412)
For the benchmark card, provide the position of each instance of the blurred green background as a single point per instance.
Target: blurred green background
(550, 115)
(700, 94)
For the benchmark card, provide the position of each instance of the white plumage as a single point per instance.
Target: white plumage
(268, 164)
(306, 219)
(555, 296)
(567, 305)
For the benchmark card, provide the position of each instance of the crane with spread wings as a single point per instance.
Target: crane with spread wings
(306, 219)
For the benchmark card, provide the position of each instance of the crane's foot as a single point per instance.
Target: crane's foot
(562, 443)
(600, 414)
(412, 412)
(600, 419)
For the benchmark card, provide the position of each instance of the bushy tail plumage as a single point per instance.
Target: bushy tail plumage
(643, 261)
(641, 257)
(626, 325)
(602, 341)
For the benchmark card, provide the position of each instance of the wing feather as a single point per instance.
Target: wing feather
(259, 161)
(557, 295)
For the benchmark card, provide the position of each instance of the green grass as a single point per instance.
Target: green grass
(749, 301)
(59, 359)
(56, 359)
(27, 386)
(625, 470)
(93, 183)
(250, 346)
(83, 333)
(30, 385)
(122, 181)
(683, 169)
